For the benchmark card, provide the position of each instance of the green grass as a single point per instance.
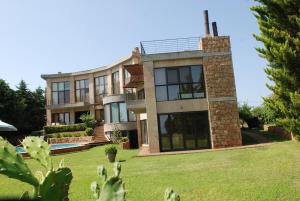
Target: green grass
(264, 173)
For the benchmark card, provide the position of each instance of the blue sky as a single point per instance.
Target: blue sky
(40, 37)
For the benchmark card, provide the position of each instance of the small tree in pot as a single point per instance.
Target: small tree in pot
(111, 152)
(124, 143)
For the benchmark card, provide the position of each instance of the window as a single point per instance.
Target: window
(61, 118)
(117, 112)
(144, 133)
(60, 93)
(100, 88)
(123, 112)
(82, 90)
(126, 76)
(116, 83)
(179, 83)
(181, 131)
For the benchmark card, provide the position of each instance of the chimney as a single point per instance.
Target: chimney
(215, 28)
(206, 23)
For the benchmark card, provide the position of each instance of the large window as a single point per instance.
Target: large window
(179, 83)
(60, 92)
(82, 90)
(116, 83)
(61, 118)
(117, 112)
(100, 88)
(180, 131)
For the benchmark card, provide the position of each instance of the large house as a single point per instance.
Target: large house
(176, 94)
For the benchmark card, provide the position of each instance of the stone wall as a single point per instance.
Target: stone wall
(86, 139)
(225, 125)
(221, 92)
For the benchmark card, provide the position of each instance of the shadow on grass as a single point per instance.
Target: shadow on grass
(271, 137)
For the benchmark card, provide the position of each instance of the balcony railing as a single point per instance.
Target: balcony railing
(170, 45)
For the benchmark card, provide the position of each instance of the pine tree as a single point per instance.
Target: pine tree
(279, 24)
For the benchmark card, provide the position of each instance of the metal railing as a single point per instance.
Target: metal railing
(170, 45)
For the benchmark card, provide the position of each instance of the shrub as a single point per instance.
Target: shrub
(116, 135)
(64, 128)
(88, 120)
(37, 133)
(111, 149)
(124, 139)
(89, 131)
(67, 134)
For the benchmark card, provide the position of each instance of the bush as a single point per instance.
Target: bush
(111, 149)
(89, 131)
(37, 133)
(124, 139)
(116, 135)
(67, 134)
(64, 128)
(88, 120)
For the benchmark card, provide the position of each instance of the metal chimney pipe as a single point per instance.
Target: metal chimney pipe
(215, 28)
(206, 22)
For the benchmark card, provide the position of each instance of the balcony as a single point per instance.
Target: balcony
(136, 78)
(67, 105)
(170, 45)
(135, 103)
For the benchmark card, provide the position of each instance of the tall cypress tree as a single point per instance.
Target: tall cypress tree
(279, 24)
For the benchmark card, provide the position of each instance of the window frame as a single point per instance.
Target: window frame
(180, 84)
(101, 95)
(58, 113)
(117, 82)
(184, 137)
(58, 94)
(82, 90)
(119, 116)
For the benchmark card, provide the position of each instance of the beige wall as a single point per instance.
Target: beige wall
(90, 75)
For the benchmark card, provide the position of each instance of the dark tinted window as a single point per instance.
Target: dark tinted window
(160, 76)
(172, 75)
(179, 83)
(161, 93)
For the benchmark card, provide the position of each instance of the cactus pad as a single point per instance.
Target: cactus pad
(13, 165)
(56, 185)
(39, 150)
(170, 195)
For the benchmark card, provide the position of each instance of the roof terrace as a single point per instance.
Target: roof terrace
(170, 45)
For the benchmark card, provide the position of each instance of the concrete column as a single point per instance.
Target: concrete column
(48, 116)
(48, 92)
(121, 78)
(151, 110)
(72, 90)
(91, 89)
(109, 83)
(138, 127)
(72, 117)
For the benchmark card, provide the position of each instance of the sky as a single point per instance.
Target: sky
(49, 36)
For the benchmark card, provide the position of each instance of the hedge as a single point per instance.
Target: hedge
(67, 134)
(64, 128)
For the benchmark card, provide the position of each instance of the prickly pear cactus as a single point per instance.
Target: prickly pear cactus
(13, 165)
(112, 188)
(39, 150)
(56, 185)
(170, 195)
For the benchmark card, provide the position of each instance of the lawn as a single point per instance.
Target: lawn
(271, 172)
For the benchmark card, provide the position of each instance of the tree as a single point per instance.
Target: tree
(245, 113)
(279, 24)
(7, 103)
(22, 108)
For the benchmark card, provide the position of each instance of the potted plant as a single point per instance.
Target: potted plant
(111, 152)
(125, 143)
